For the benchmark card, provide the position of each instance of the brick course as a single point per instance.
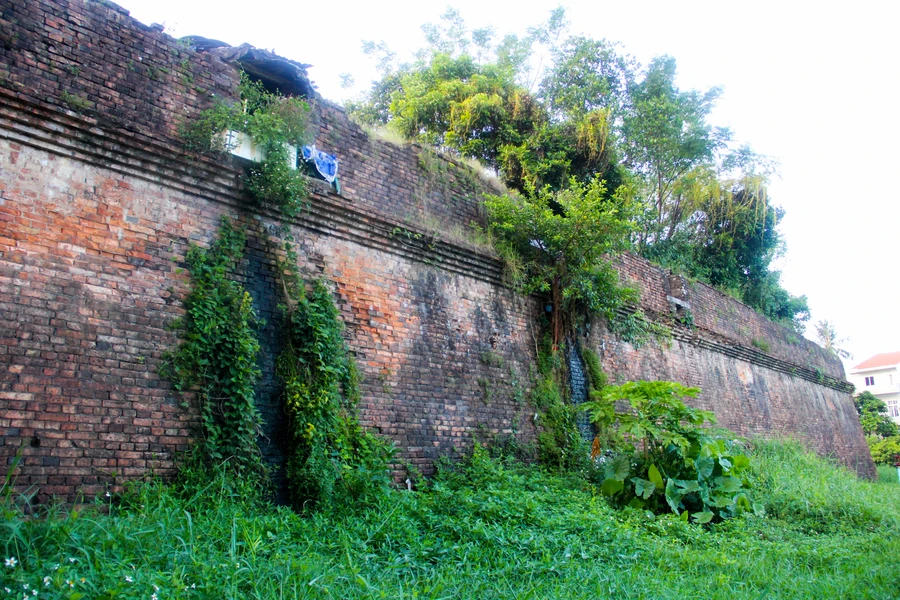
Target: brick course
(98, 205)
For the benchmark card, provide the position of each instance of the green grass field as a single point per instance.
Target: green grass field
(486, 530)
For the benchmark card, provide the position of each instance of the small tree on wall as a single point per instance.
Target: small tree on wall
(564, 240)
(826, 336)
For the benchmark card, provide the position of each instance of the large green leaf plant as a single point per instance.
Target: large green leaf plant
(660, 457)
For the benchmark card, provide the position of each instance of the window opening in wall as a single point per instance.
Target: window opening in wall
(870, 381)
(893, 408)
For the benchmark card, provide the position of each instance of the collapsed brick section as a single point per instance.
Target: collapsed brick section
(98, 206)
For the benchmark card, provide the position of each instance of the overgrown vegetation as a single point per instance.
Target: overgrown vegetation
(487, 529)
(216, 358)
(273, 122)
(559, 444)
(550, 112)
(882, 434)
(656, 454)
(330, 455)
(564, 239)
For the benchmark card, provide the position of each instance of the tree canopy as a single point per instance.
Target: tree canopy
(873, 415)
(550, 112)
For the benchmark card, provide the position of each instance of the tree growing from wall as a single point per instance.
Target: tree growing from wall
(546, 109)
(826, 336)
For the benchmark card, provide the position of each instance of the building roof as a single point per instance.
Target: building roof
(887, 359)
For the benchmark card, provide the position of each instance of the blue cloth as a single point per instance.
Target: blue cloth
(326, 164)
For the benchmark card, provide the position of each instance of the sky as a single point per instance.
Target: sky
(812, 84)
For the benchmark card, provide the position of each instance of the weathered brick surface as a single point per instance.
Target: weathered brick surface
(90, 276)
(746, 398)
(716, 312)
(98, 206)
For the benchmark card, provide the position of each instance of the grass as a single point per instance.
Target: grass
(488, 529)
(888, 475)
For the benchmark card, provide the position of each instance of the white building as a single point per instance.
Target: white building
(881, 376)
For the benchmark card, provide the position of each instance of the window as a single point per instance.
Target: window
(893, 407)
(870, 381)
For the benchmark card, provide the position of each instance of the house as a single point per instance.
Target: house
(881, 376)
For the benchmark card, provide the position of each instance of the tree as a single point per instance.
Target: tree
(704, 208)
(827, 338)
(565, 239)
(873, 416)
(588, 75)
(666, 136)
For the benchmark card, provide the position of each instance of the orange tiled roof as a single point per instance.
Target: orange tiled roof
(887, 359)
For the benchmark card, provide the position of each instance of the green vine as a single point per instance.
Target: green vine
(560, 445)
(217, 356)
(273, 122)
(331, 456)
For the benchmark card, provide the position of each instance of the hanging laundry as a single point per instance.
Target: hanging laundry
(326, 164)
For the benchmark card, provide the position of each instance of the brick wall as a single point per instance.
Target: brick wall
(98, 206)
(746, 398)
(90, 57)
(91, 275)
(723, 316)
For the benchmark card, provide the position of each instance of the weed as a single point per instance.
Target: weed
(486, 390)
(75, 102)
(491, 359)
(761, 344)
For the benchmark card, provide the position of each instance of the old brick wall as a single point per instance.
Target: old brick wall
(728, 319)
(98, 205)
(90, 277)
(746, 397)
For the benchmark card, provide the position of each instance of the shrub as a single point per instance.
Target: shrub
(663, 457)
(885, 451)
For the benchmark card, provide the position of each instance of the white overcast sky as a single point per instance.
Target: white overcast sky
(812, 84)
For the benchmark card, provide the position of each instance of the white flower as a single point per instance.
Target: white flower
(46, 581)
(155, 588)
(71, 560)
(153, 597)
(129, 579)
(34, 592)
(11, 562)
(108, 494)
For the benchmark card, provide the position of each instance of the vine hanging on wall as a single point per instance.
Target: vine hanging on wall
(330, 455)
(217, 356)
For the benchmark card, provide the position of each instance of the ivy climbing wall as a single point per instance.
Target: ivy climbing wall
(98, 205)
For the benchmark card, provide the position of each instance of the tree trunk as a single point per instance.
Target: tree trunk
(557, 316)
